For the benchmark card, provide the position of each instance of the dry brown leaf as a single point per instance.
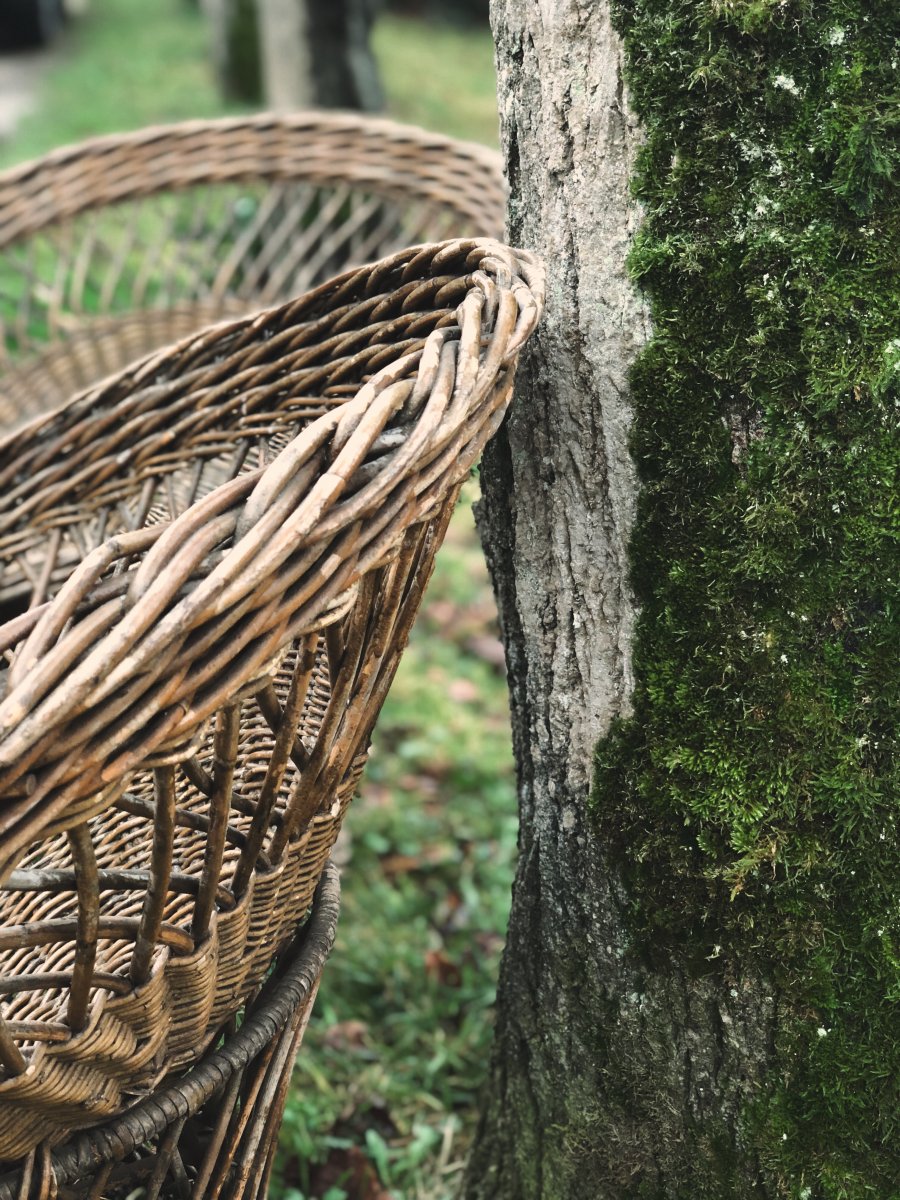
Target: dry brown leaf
(346, 1035)
(442, 969)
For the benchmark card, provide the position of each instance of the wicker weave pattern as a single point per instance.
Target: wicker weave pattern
(212, 1132)
(223, 545)
(192, 223)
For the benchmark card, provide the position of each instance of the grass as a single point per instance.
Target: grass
(121, 66)
(440, 77)
(383, 1099)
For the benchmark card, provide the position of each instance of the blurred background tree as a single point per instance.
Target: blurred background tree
(235, 48)
(296, 53)
(470, 12)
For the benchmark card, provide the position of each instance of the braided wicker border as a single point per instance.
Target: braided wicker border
(389, 158)
(99, 270)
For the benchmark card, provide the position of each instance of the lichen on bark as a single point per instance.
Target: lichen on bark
(752, 796)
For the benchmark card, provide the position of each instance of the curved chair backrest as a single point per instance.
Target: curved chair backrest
(209, 565)
(120, 245)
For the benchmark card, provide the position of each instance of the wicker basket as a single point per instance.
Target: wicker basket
(118, 246)
(213, 1131)
(209, 566)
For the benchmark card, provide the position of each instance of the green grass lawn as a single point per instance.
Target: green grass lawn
(383, 1099)
(123, 65)
(440, 77)
(387, 1081)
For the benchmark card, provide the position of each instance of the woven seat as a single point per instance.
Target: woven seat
(213, 1131)
(118, 246)
(209, 565)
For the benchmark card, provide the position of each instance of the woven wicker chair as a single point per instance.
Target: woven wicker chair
(118, 246)
(209, 566)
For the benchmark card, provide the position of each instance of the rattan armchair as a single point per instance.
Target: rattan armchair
(209, 566)
(118, 246)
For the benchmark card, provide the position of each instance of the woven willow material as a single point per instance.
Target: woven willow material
(119, 246)
(210, 565)
(212, 1132)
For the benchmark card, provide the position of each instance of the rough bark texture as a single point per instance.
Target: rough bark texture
(699, 996)
(612, 1076)
(286, 54)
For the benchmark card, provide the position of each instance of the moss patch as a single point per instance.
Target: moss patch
(754, 795)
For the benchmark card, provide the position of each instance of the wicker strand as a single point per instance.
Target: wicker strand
(123, 244)
(160, 870)
(87, 884)
(225, 750)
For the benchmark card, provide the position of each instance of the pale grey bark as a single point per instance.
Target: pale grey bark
(216, 13)
(234, 42)
(607, 1073)
(286, 54)
(570, 143)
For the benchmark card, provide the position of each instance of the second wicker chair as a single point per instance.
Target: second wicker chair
(120, 245)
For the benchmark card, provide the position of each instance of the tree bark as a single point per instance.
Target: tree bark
(346, 73)
(286, 54)
(699, 991)
(296, 54)
(605, 1069)
(235, 48)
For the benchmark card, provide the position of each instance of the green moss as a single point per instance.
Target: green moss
(754, 794)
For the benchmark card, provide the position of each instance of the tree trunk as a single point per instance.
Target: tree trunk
(698, 992)
(286, 54)
(235, 48)
(319, 54)
(345, 69)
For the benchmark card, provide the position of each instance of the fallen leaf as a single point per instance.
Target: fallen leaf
(406, 864)
(488, 649)
(350, 1169)
(425, 783)
(346, 1035)
(463, 691)
(442, 969)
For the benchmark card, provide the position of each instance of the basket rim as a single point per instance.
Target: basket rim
(292, 121)
(43, 178)
(492, 274)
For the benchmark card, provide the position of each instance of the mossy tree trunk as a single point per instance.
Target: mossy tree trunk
(690, 517)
